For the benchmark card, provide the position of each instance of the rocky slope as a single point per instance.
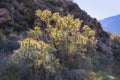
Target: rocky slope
(17, 16)
(23, 18)
(22, 12)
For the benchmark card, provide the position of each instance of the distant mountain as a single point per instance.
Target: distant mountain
(111, 24)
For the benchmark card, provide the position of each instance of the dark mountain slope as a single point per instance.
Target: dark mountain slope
(22, 12)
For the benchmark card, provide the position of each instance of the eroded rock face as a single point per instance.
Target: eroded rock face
(4, 16)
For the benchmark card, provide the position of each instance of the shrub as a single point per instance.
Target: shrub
(66, 38)
(115, 38)
(44, 53)
(34, 59)
(34, 53)
(105, 76)
(116, 53)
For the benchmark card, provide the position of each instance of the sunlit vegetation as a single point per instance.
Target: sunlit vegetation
(116, 38)
(65, 37)
(55, 51)
(116, 50)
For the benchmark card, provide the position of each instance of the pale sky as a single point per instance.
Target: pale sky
(100, 8)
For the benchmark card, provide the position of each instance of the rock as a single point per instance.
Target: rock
(104, 48)
(13, 45)
(4, 17)
(81, 74)
(74, 73)
(37, 22)
(58, 77)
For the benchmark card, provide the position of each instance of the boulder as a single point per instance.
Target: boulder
(81, 74)
(4, 17)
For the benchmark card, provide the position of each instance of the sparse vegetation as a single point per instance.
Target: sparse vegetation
(116, 50)
(57, 42)
(60, 47)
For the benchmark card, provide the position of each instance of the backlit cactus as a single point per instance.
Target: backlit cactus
(58, 46)
(34, 53)
(65, 36)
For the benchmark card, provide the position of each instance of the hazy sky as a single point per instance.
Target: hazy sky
(100, 8)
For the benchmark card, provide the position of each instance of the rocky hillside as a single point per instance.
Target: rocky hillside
(96, 59)
(22, 12)
(23, 18)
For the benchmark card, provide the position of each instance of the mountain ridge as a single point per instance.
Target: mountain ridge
(111, 24)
